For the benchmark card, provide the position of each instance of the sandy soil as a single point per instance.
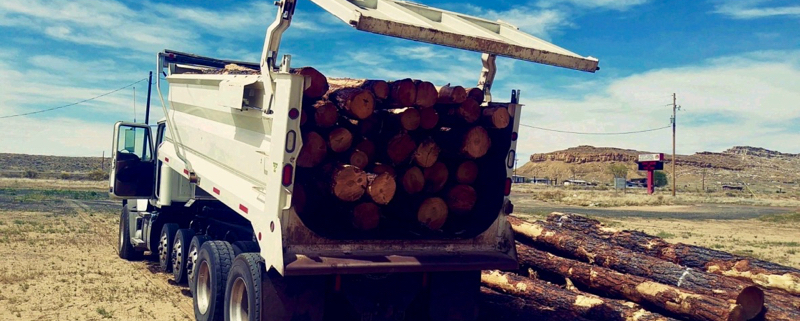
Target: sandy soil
(65, 267)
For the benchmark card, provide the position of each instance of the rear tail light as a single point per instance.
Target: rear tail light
(507, 190)
(288, 171)
(294, 113)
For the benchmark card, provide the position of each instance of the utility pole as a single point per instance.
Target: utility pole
(515, 167)
(674, 120)
(103, 162)
(704, 180)
(134, 104)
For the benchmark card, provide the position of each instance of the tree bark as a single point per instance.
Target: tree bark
(354, 102)
(325, 113)
(451, 94)
(432, 213)
(381, 188)
(316, 84)
(435, 177)
(469, 111)
(427, 153)
(766, 274)
(426, 94)
(340, 139)
(313, 152)
(366, 216)
(467, 172)
(583, 304)
(461, 199)
(407, 119)
(429, 118)
(476, 94)
(400, 148)
(402, 93)
(413, 180)
(599, 252)
(496, 117)
(379, 88)
(348, 183)
(476, 143)
(496, 306)
(678, 302)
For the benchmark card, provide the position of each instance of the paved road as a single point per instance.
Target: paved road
(523, 204)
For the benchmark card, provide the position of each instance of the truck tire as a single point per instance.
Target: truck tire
(180, 247)
(126, 249)
(211, 275)
(194, 250)
(243, 289)
(240, 247)
(165, 246)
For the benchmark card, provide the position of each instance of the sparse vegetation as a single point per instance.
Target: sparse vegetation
(665, 235)
(64, 175)
(781, 218)
(105, 314)
(98, 175)
(618, 170)
(31, 174)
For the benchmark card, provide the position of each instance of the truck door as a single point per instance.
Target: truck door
(132, 162)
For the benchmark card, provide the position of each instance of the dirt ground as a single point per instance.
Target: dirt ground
(64, 266)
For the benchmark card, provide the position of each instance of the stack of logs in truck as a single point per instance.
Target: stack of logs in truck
(378, 155)
(574, 268)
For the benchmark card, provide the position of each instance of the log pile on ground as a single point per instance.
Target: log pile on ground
(412, 151)
(574, 268)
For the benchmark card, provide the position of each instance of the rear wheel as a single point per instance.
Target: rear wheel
(240, 247)
(211, 275)
(180, 247)
(191, 258)
(126, 249)
(243, 289)
(165, 246)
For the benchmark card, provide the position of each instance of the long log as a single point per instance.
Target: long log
(316, 84)
(583, 304)
(402, 93)
(496, 306)
(325, 113)
(599, 252)
(413, 180)
(766, 274)
(400, 147)
(435, 177)
(348, 183)
(427, 153)
(313, 152)
(340, 139)
(407, 119)
(451, 94)
(467, 172)
(354, 102)
(432, 213)
(476, 94)
(366, 216)
(678, 302)
(381, 187)
(380, 168)
(429, 118)
(379, 88)
(496, 117)
(476, 143)
(461, 199)
(426, 94)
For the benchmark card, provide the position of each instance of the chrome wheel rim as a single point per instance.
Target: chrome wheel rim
(239, 308)
(177, 254)
(203, 287)
(121, 236)
(190, 261)
(162, 249)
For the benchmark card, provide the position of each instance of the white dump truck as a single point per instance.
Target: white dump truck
(209, 191)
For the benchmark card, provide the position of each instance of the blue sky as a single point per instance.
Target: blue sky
(735, 66)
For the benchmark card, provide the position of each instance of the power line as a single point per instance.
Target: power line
(596, 133)
(75, 103)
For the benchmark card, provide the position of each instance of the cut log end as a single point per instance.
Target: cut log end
(413, 180)
(475, 94)
(435, 177)
(349, 183)
(497, 117)
(400, 148)
(366, 216)
(316, 84)
(356, 102)
(426, 94)
(381, 188)
(427, 153)
(359, 159)
(469, 111)
(383, 168)
(408, 118)
(461, 199)
(467, 172)
(340, 140)
(433, 213)
(313, 152)
(325, 114)
(429, 118)
(476, 143)
(751, 299)
(403, 92)
(368, 147)
(379, 87)
(452, 94)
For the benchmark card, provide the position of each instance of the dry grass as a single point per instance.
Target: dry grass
(25, 183)
(639, 197)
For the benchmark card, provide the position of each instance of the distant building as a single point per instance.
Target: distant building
(518, 179)
(637, 182)
(541, 180)
(732, 188)
(576, 182)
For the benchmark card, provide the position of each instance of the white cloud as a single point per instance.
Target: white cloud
(752, 10)
(747, 99)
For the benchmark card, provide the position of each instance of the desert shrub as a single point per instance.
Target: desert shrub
(555, 195)
(64, 175)
(31, 174)
(618, 170)
(660, 179)
(98, 175)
